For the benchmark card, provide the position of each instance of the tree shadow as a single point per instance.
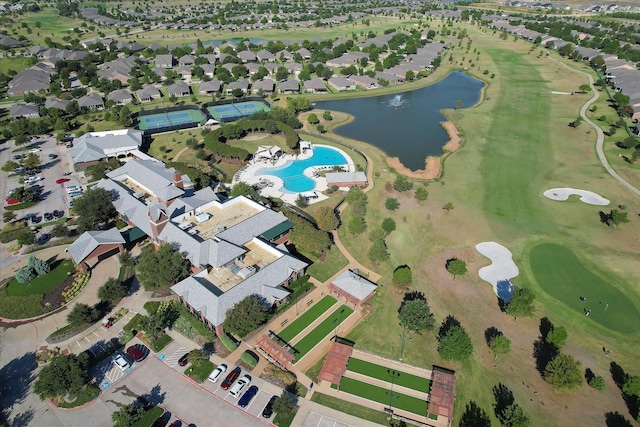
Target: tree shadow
(23, 418)
(617, 374)
(15, 380)
(447, 324)
(154, 397)
(546, 326)
(616, 419)
(589, 375)
(489, 334)
(503, 398)
(413, 295)
(543, 353)
(604, 217)
(474, 416)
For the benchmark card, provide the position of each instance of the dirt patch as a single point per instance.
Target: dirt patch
(433, 165)
(254, 136)
(54, 299)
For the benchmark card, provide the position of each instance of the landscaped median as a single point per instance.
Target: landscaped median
(384, 396)
(321, 331)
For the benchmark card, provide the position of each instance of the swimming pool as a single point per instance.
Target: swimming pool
(292, 172)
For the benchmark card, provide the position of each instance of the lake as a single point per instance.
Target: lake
(407, 125)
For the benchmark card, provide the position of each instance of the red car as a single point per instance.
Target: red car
(62, 180)
(11, 201)
(233, 375)
(135, 353)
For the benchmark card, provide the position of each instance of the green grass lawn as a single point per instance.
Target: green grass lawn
(380, 372)
(199, 372)
(350, 408)
(561, 274)
(382, 395)
(322, 270)
(321, 331)
(149, 417)
(307, 318)
(42, 284)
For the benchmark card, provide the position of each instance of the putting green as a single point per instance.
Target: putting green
(560, 274)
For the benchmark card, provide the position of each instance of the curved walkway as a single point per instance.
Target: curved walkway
(599, 132)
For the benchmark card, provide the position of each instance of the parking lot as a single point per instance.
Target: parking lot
(194, 404)
(52, 169)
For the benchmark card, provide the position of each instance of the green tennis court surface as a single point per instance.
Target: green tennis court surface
(384, 396)
(327, 326)
(382, 373)
(307, 318)
(165, 119)
(236, 110)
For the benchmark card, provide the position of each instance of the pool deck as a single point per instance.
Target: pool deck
(274, 185)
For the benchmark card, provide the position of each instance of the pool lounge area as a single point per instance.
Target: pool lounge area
(285, 176)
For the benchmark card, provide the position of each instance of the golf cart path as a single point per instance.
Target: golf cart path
(600, 138)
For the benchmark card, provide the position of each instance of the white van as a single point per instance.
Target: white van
(240, 385)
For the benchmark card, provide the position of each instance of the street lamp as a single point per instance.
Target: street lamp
(393, 374)
(403, 337)
(338, 323)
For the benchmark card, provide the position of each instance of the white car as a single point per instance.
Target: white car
(240, 385)
(34, 150)
(121, 363)
(217, 373)
(74, 189)
(32, 179)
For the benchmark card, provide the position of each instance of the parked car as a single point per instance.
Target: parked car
(36, 219)
(34, 150)
(62, 180)
(44, 238)
(247, 396)
(73, 188)
(75, 194)
(11, 201)
(267, 412)
(17, 157)
(135, 354)
(176, 423)
(121, 363)
(48, 216)
(184, 360)
(53, 156)
(240, 385)
(230, 378)
(217, 373)
(162, 420)
(58, 214)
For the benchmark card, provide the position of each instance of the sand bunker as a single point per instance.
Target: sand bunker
(588, 197)
(501, 270)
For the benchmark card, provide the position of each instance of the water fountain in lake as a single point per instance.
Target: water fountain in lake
(397, 101)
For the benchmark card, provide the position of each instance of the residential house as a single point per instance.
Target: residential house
(391, 78)
(9, 42)
(60, 104)
(21, 110)
(240, 84)
(120, 96)
(289, 86)
(246, 56)
(179, 89)
(263, 86)
(341, 83)
(91, 101)
(265, 56)
(209, 88)
(147, 93)
(315, 85)
(365, 82)
(31, 80)
(293, 68)
(209, 70)
(284, 56)
(187, 61)
(304, 53)
(164, 61)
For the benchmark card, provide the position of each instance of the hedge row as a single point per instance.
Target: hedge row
(228, 342)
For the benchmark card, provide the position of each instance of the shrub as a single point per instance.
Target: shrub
(25, 274)
(250, 358)
(228, 342)
(41, 267)
(597, 383)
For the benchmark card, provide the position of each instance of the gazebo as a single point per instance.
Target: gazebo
(354, 288)
(268, 153)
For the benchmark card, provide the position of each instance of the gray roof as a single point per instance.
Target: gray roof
(164, 60)
(289, 85)
(246, 230)
(128, 206)
(152, 174)
(60, 104)
(205, 297)
(24, 110)
(345, 177)
(120, 95)
(91, 100)
(90, 240)
(210, 86)
(98, 145)
(149, 91)
(355, 285)
(178, 88)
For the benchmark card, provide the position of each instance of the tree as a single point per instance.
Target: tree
(327, 115)
(246, 316)
(64, 374)
(60, 230)
(327, 219)
(631, 386)
(242, 189)
(392, 203)
(458, 104)
(388, 225)
(164, 316)
(521, 303)
(306, 236)
(9, 166)
(26, 237)
(8, 216)
(448, 207)
(237, 92)
(40, 266)
(127, 415)
(32, 161)
(378, 252)
(82, 314)
(421, 194)
(94, 209)
(197, 356)
(356, 225)
(563, 372)
(402, 276)
(112, 290)
(457, 267)
(161, 268)
(415, 315)
(321, 128)
(556, 337)
(615, 218)
(474, 416)
(313, 119)
(284, 404)
(402, 183)
(597, 383)
(509, 413)
(453, 341)
(25, 275)
(499, 345)
(301, 201)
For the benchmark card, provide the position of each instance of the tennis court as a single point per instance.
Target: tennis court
(166, 119)
(235, 111)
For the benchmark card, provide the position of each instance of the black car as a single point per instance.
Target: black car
(268, 410)
(184, 360)
(58, 214)
(53, 156)
(48, 216)
(36, 219)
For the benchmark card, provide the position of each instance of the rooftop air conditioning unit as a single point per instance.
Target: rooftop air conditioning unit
(247, 271)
